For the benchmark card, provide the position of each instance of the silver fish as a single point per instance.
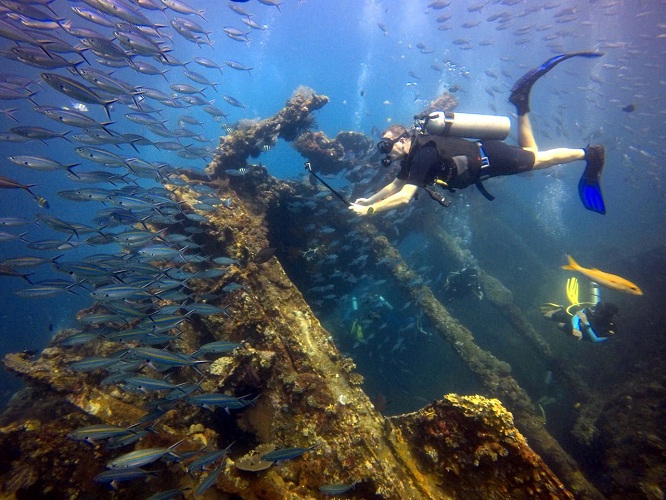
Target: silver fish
(207, 63)
(75, 90)
(41, 163)
(237, 66)
(272, 3)
(233, 101)
(70, 117)
(112, 476)
(182, 8)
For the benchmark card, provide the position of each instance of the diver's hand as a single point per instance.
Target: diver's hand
(358, 209)
(363, 201)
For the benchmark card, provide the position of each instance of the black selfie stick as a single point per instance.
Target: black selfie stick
(309, 169)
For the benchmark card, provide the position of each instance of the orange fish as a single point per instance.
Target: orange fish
(605, 279)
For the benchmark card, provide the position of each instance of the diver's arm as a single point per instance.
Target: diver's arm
(593, 337)
(387, 190)
(396, 199)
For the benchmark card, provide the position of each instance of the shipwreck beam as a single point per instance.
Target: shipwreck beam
(502, 298)
(493, 373)
(309, 396)
(308, 393)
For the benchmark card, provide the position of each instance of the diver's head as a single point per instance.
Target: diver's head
(471, 276)
(395, 144)
(605, 309)
(602, 317)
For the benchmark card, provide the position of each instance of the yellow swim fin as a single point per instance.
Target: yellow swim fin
(549, 307)
(357, 331)
(572, 291)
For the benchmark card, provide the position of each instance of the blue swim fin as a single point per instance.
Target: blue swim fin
(589, 186)
(590, 195)
(520, 92)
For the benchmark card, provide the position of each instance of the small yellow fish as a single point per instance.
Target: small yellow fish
(605, 279)
(41, 201)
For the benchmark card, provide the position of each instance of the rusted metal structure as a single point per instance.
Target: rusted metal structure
(309, 395)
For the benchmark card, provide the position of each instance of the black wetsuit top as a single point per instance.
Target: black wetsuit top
(458, 161)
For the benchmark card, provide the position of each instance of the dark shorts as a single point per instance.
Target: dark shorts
(505, 159)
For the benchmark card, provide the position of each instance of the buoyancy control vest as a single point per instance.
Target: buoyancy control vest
(460, 160)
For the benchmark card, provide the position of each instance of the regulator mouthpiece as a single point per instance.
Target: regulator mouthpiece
(387, 160)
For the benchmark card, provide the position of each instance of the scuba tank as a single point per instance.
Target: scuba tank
(595, 293)
(460, 125)
(464, 125)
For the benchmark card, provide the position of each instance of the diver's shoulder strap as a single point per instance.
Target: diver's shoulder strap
(485, 164)
(479, 185)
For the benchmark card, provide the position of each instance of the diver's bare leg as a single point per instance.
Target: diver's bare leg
(544, 159)
(525, 135)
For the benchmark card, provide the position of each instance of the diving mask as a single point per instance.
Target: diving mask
(386, 144)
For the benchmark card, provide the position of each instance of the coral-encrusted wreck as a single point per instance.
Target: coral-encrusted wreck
(307, 393)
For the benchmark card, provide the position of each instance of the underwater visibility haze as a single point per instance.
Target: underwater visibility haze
(141, 138)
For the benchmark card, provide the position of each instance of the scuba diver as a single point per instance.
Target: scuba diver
(461, 283)
(375, 307)
(453, 162)
(591, 321)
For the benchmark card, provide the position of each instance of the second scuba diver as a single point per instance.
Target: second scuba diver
(591, 321)
(461, 283)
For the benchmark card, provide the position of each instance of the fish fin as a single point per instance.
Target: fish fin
(107, 107)
(70, 167)
(572, 265)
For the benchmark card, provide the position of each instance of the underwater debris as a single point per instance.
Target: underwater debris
(495, 441)
(332, 156)
(445, 102)
(493, 373)
(250, 140)
(502, 298)
(323, 152)
(287, 357)
(309, 392)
